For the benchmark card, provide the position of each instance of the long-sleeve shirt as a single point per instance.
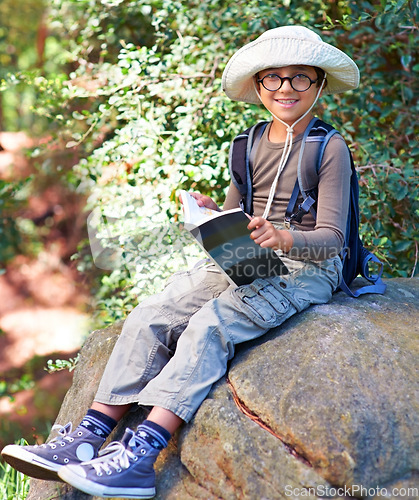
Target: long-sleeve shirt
(313, 239)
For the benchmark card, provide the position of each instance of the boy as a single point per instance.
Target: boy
(175, 345)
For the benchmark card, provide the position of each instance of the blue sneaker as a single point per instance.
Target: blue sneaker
(122, 470)
(45, 460)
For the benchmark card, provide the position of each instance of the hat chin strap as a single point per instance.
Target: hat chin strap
(287, 146)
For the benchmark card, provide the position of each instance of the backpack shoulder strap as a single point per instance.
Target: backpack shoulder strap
(316, 137)
(241, 157)
(377, 286)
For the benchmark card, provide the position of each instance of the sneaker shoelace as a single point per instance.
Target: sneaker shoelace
(116, 456)
(62, 438)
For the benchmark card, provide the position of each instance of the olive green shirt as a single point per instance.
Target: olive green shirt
(313, 239)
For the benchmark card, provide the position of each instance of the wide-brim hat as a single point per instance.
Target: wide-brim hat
(287, 46)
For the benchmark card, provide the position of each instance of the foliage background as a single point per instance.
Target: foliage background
(132, 93)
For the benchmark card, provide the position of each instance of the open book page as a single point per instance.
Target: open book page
(226, 240)
(193, 213)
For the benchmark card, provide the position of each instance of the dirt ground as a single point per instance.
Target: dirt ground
(43, 308)
(41, 318)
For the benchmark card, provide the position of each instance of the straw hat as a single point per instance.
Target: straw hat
(286, 46)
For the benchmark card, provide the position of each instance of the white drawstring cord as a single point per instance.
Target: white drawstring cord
(282, 162)
(287, 147)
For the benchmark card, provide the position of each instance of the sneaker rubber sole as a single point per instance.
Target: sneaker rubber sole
(30, 464)
(92, 488)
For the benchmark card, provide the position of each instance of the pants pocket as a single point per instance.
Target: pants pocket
(263, 303)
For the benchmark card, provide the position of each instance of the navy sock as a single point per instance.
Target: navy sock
(154, 434)
(98, 423)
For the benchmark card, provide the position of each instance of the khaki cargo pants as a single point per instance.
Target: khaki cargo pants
(176, 344)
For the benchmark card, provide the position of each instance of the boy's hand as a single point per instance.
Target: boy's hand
(266, 235)
(204, 201)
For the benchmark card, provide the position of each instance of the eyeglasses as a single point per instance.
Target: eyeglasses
(273, 82)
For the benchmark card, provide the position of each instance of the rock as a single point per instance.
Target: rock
(325, 405)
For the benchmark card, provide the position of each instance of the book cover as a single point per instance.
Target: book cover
(226, 240)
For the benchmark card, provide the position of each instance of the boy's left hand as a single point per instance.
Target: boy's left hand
(266, 235)
(203, 201)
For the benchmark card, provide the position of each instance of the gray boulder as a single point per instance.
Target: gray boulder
(325, 405)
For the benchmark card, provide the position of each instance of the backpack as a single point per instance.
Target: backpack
(355, 256)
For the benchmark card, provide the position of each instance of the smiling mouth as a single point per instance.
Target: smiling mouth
(286, 101)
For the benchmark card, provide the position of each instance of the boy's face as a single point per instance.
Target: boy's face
(287, 103)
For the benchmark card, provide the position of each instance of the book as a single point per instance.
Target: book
(226, 240)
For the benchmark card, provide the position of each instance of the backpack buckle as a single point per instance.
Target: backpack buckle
(303, 209)
(298, 216)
